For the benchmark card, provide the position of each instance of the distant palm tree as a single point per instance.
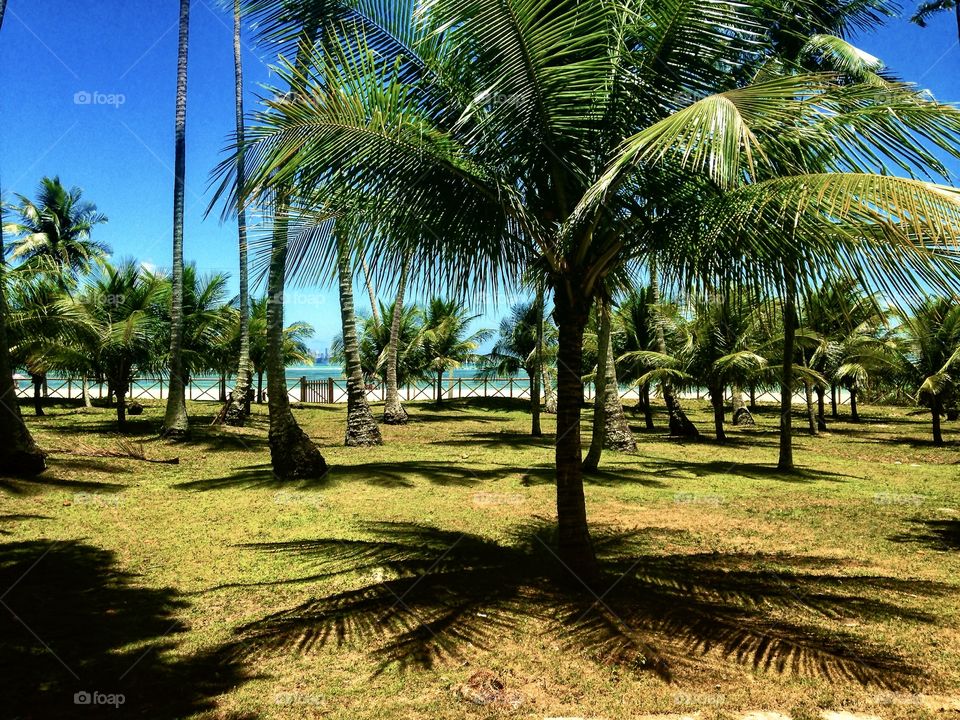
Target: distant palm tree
(240, 406)
(519, 347)
(635, 316)
(930, 355)
(375, 340)
(176, 423)
(54, 231)
(207, 317)
(446, 342)
(393, 411)
(934, 7)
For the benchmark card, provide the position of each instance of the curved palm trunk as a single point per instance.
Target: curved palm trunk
(717, 401)
(393, 411)
(373, 296)
(549, 394)
(811, 412)
(786, 381)
(592, 461)
(936, 408)
(85, 391)
(644, 403)
(240, 405)
(576, 547)
(19, 455)
(617, 434)
(292, 453)
(362, 429)
(176, 424)
(854, 410)
(680, 425)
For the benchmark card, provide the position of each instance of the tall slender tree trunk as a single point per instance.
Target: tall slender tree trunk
(811, 412)
(19, 455)
(549, 394)
(362, 429)
(617, 434)
(260, 387)
(121, 394)
(834, 412)
(576, 547)
(292, 453)
(240, 405)
(821, 419)
(537, 373)
(716, 400)
(373, 296)
(680, 425)
(646, 406)
(786, 380)
(592, 461)
(176, 424)
(854, 410)
(37, 395)
(85, 391)
(393, 411)
(439, 387)
(936, 408)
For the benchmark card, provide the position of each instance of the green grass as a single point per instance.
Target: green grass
(210, 588)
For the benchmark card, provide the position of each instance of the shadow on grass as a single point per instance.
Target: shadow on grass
(429, 595)
(49, 481)
(942, 535)
(755, 471)
(71, 621)
(7, 519)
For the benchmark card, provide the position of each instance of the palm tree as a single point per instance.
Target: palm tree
(393, 411)
(54, 231)
(933, 7)
(176, 423)
(635, 317)
(19, 454)
(446, 342)
(240, 405)
(930, 354)
(207, 317)
(374, 344)
(687, 95)
(519, 347)
(362, 429)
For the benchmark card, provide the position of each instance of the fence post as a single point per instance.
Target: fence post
(330, 390)
(69, 388)
(303, 389)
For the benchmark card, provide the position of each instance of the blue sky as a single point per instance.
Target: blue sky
(87, 92)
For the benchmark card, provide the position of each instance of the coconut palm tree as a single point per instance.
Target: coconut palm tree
(176, 423)
(19, 454)
(55, 231)
(930, 354)
(240, 405)
(635, 317)
(519, 347)
(750, 158)
(374, 342)
(447, 343)
(362, 428)
(207, 317)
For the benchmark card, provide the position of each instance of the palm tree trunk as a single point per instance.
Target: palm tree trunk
(536, 374)
(373, 296)
(717, 400)
(19, 455)
(935, 410)
(617, 434)
(549, 394)
(646, 406)
(854, 411)
(786, 380)
(85, 391)
(292, 453)
(811, 413)
(37, 395)
(576, 547)
(176, 424)
(260, 387)
(393, 411)
(439, 387)
(592, 461)
(121, 393)
(821, 419)
(362, 429)
(680, 425)
(834, 413)
(240, 406)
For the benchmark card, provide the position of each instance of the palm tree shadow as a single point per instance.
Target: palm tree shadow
(941, 535)
(71, 622)
(429, 595)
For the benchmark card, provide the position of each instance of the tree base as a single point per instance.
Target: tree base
(22, 463)
(743, 417)
(176, 434)
(236, 415)
(680, 425)
(294, 455)
(395, 415)
(362, 428)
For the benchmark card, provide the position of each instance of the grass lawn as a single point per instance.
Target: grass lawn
(420, 577)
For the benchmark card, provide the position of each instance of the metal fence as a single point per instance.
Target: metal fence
(334, 391)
